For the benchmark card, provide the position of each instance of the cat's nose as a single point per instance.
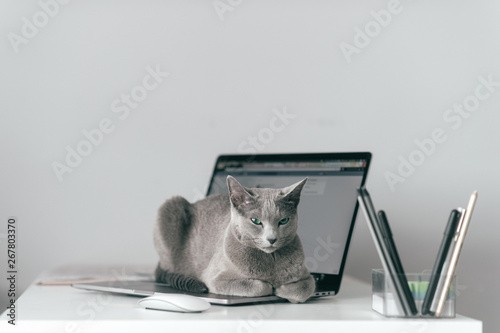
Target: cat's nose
(272, 240)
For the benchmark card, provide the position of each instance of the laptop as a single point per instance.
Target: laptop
(327, 212)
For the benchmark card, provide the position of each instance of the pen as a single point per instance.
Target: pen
(459, 241)
(400, 273)
(439, 265)
(405, 305)
(387, 234)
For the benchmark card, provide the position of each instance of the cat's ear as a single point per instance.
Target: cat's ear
(292, 193)
(238, 193)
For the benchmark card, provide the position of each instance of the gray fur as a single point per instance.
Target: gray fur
(215, 241)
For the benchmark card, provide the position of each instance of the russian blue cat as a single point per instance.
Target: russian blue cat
(244, 243)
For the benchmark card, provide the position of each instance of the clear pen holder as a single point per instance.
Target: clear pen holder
(383, 296)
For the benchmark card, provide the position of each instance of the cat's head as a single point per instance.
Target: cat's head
(264, 218)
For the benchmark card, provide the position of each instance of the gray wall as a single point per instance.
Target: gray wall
(405, 80)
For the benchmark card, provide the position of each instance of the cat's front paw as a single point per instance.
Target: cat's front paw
(243, 287)
(261, 288)
(297, 292)
(251, 287)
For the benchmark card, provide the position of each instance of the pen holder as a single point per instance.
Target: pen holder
(383, 297)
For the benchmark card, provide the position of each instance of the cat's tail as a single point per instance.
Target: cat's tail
(180, 281)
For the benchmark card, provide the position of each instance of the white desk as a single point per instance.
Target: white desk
(61, 309)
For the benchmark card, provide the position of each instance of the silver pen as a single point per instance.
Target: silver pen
(459, 241)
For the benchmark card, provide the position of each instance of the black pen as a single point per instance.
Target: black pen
(405, 304)
(391, 246)
(443, 253)
(387, 233)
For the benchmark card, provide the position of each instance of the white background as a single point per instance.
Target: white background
(228, 72)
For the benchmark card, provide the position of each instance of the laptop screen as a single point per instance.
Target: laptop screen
(328, 204)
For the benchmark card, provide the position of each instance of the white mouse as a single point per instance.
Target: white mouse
(174, 302)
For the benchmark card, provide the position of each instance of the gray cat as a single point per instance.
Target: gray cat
(244, 243)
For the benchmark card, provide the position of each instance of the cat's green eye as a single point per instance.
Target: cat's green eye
(284, 221)
(256, 221)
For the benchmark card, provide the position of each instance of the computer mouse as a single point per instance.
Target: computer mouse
(174, 302)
